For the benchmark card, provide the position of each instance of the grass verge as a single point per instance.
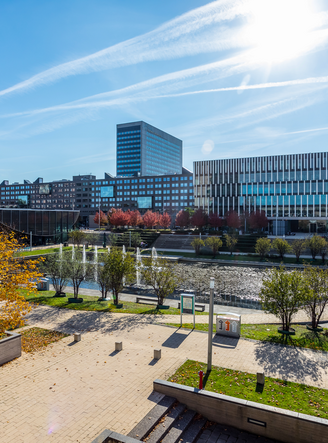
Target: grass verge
(279, 393)
(268, 332)
(92, 304)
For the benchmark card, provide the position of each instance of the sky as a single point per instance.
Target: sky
(231, 78)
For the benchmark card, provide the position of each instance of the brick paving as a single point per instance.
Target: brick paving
(70, 392)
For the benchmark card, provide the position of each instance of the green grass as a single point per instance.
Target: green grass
(268, 332)
(92, 304)
(41, 251)
(278, 393)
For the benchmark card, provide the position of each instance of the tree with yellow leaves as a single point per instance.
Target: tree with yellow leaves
(15, 274)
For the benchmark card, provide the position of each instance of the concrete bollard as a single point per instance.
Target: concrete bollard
(157, 354)
(118, 346)
(260, 378)
(77, 337)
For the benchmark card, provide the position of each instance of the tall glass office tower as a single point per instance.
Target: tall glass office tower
(145, 150)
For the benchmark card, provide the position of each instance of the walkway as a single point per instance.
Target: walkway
(72, 391)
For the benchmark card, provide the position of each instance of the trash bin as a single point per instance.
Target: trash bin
(43, 284)
(228, 324)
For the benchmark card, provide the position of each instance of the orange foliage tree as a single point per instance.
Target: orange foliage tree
(150, 219)
(165, 220)
(135, 218)
(103, 218)
(15, 274)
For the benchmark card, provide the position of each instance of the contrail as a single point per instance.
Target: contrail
(165, 42)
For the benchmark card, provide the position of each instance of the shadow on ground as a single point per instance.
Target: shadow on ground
(288, 362)
(225, 342)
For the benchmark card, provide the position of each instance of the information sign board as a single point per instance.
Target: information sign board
(187, 305)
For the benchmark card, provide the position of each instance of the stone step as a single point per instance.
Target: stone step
(145, 426)
(165, 424)
(179, 426)
(191, 434)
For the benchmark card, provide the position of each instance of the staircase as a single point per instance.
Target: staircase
(173, 241)
(171, 422)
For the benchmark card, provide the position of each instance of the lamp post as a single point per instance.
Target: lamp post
(210, 326)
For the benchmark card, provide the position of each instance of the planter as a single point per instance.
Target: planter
(60, 294)
(290, 332)
(309, 327)
(162, 307)
(75, 300)
(10, 347)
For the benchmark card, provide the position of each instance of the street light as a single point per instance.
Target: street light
(210, 326)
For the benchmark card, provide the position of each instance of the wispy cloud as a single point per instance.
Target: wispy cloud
(192, 33)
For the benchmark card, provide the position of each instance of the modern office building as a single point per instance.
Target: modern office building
(291, 189)
(45, 226)
(86, 194)
(142, 149)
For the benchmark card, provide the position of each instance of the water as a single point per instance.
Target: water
(139, 264)
(83, 255)
(73, 252)
(123, 253)
(60, 251)
(153, 253)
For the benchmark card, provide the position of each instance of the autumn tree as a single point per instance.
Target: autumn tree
(15, 274)
(298, 246)
(150, 219)
(231, 242)
(215, 220)
(262, 247)
(282, 246)
(165, 220)
(197, 243)
(258, 220)
(182, 219)
(119, 218)
(232, 219)
(215, 243)
(103, 218)
(199, 218)
(135, 218)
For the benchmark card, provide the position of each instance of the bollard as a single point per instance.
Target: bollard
(77, 337)
(200, 373)
(157, 354)
(260, 378)
(118, 346)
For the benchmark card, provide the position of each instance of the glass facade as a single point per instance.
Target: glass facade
(145, 150)
(289, 187)
(46, 226)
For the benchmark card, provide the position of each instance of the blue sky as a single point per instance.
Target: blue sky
(231, 78)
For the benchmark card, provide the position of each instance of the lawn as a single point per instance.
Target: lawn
(268, 332)
(41, 251)
(92, 304)
(35, 339)
(279, 393)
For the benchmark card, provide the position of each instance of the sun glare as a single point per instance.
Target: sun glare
(279, 29)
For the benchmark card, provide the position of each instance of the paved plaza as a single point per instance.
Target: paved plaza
(70, 392)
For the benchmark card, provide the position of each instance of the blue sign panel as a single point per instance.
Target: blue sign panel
(145, 202)
(107, 191)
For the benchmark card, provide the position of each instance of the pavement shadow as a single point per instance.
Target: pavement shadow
(291, 362)
(225, 342)
(175, 339)
(153, 362)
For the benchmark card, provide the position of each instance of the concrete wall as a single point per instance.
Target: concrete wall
(10, 347)
(278, 424)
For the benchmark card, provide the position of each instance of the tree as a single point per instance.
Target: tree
(197, 243)
(263, 246)
(258, 220)
(109, 214)
(199, 218)
(165, 220)
(150, 219)
(103, 218)
(15, 273)
(92, 238)
(182, 219)
(135, 218)
(78, 271)
(323, 250)
(119, 218)
(315, 244)
(159, 274)
(77, 237)
(134, 237)
(282, 246)
(282, 294)
(57, 269)
(231, 242)
(232, 219)
(102, 276)
(298, 246)
(215, 243)
(119, 267)
(215, 221)
(316, 298)
(112, 239)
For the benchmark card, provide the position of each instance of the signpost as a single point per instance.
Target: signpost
(187, 305)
